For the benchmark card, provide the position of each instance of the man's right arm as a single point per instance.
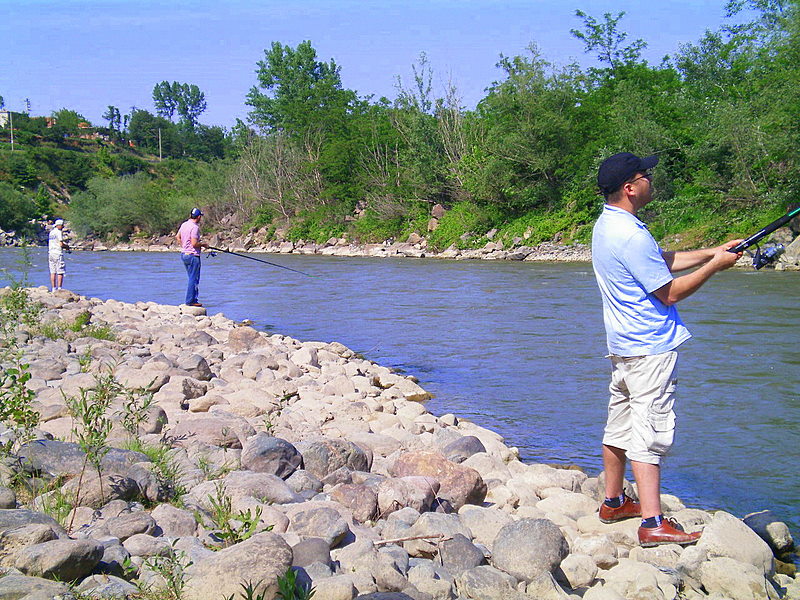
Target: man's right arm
(686, 285)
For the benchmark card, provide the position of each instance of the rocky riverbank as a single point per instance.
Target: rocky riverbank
(417, 247)
(238, 457)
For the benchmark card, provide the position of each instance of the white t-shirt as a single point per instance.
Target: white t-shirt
(54, 242)
(629, 268)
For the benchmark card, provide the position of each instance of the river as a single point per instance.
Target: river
(519, 348)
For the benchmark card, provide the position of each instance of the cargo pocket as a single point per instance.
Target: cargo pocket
(661, 419)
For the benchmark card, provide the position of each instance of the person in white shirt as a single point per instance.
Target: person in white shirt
(55, 254)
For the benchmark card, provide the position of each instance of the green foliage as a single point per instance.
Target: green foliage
(16, 209)
(120, 206)
(291, 589)
(466, 221)
(231, 527)
(172, 569)
(16, 405)
(318, 225)
(167, 471)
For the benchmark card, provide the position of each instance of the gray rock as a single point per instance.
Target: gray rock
(63, 559)
(20, 517)
(262, 558)
(144, 545)
(577, 571)
(311, 550)
(735, 580)
(415, 492)
(303, 481)
(320, 522)
(114, 557)
(173, 522)
(459, 554)
(107, 586)
(131, 523)
(727, 536)
(21, 587)
(196, 366)
(66, 458)
(8, 499)
(436, 527)
(323, 456)
(13, 541)
(214, 430)
(462, 448)
(771, 530)
(484, 523)
(262, 486)
(338, 587)
(529, 547)
(486, 583)
(266, 454)
(94, 491)
(246, 338)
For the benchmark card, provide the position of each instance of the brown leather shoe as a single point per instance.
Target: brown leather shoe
(628, 509)
(669, 532)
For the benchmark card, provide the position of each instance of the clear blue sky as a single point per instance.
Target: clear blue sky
(87, 54)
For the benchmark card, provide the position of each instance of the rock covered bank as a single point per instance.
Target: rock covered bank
(324, 463)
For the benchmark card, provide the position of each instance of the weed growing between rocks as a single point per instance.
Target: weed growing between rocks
(57, 503)
(167, 471)
(93, 425)
(171, 568)
(291, 589)
(231, 527)
(211, 471)
(79, 327)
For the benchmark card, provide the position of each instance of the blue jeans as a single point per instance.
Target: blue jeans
(192, 264)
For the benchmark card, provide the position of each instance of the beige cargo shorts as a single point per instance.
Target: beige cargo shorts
(640, 416)
(56, 262)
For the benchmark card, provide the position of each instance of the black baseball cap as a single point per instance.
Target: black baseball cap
(619, 168)
(196, 212)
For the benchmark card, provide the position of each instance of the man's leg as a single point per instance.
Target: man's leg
(616, 438)
(52, 280)
(60, 280)
(648, 483)
(614, 466)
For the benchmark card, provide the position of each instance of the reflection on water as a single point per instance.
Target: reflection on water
(520, 348)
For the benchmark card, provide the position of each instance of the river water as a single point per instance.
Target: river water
(519, 348)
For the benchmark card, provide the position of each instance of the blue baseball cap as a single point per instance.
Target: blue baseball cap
(196, 212)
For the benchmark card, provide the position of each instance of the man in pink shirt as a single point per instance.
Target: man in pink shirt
(189, 240)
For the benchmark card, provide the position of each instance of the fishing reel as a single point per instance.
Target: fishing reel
(767, 256)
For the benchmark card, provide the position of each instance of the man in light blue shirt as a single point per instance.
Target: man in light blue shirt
(643, 331)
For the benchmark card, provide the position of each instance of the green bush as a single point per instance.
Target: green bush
(318, 225)
(16, 209)
(463, 219)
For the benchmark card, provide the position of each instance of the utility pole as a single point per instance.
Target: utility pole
(11, 126)
(159, 144)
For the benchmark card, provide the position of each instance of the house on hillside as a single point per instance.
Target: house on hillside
(5, 117)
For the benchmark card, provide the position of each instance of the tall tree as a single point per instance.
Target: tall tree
(165, 99)
(295, 91)
(605, 40)
(184, 98)
(114, 118)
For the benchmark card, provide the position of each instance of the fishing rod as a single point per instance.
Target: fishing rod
(762, 258)
(266, 262)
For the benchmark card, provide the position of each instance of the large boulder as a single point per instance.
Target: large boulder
(727, 536)
(459, 484)
(398, 493)
(22, 587)
(260, 560)
(55, 458)
(486, 583)
(323, 456)
(266, 454)
(321, 522)
(64, 559)
(735, 580)
(529, 547)
(245, 338)
(771, 530)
